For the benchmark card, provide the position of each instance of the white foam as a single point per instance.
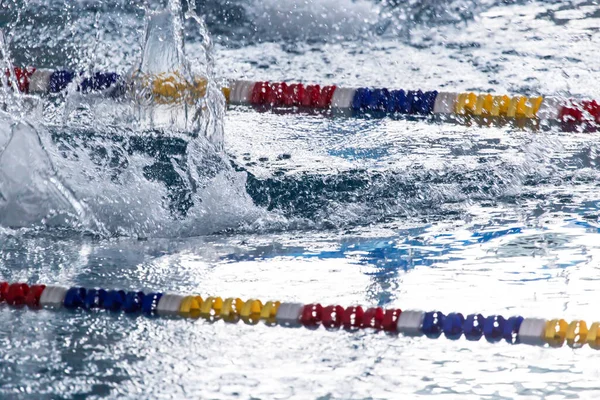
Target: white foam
(93, 178)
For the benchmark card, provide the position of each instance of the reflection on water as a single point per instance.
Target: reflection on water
(482, 266)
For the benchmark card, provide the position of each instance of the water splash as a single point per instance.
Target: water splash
(164, 93)
(145, 161)
(9, 99)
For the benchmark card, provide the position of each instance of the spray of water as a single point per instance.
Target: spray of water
(133, 163)
(143, 163)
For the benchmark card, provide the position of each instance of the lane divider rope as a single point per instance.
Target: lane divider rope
(166, 88)
(433, 324)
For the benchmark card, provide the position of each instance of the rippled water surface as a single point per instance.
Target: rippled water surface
(411, 214)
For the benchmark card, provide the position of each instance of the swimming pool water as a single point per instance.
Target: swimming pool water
(396, 213)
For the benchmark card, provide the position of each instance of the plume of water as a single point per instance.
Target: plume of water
(30, 186)
(132, 162)
(9, 98)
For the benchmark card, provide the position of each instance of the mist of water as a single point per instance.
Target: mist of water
(131, 165)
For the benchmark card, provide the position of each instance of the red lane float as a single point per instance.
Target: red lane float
(16, 294)
(281, 94)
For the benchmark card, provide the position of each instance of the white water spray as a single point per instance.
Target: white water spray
(136, 165)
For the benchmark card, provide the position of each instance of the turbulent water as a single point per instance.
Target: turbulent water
(130, 193)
